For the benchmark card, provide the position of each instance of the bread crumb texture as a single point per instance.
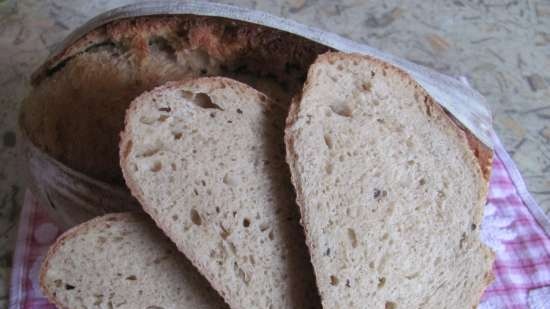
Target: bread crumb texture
(205, 157)
(123, 261)
(391, 195)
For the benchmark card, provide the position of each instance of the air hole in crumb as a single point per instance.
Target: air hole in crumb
(381, 282)
(157, 166)
(377, 194)
(224, 232)
(246, 222)
(131, 278)
(422, 181)
(473, 227)
(343, 110)
(58, 283)
(367, 86)
(195, 217)
(217, 209)
(328, 141)
(352, 237)
(69, 287)
(462, 240)
(203, 100)
(390, 305)
(175, 217)
(177, 135)
(165, 109)
(333, 280)
(270, 235)
(239, 111)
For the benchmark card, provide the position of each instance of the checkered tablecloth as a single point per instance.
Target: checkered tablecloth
(513, 225)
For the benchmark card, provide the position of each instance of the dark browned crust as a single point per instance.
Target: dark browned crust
(238, 47)
(271, 51)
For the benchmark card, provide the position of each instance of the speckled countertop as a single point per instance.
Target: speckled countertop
(502, 46)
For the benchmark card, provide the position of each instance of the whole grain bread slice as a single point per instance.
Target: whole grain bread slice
(390, 191)
(122, 261)
(205, 158)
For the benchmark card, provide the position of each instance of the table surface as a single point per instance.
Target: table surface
(502, 46)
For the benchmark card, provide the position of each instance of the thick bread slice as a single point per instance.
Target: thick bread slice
(122, 261)
(205, 158)
(390, 193)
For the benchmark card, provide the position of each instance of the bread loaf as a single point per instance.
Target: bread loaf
(76, 109)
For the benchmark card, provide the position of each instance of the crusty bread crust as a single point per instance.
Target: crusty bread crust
(136, 55)
(224, 39)
(481, 152)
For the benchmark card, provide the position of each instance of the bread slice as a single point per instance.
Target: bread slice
(390, 192)
(205, 158)
(122, 261)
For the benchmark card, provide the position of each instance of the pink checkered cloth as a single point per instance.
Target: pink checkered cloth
(514, 226)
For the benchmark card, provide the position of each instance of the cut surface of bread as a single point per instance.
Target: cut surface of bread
(122, 261)
(390, 193)
(205, 157)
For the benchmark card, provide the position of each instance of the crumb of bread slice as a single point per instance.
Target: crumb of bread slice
(122, 261)
(205, 157)
(390, 192)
